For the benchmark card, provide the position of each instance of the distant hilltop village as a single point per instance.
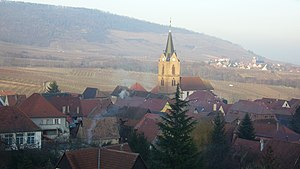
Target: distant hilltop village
(255, 64)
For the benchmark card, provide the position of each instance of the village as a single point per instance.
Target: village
(82, 126)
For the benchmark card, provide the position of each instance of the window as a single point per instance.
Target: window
(56, 121)
(173, 82)
(163, 70)
(162, 83)
(173, 70)
(19, 139)
(8, 138)
(30, 138)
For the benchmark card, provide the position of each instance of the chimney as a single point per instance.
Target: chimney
(77, 109)
(121, 147)
(68, 109)
(215, 107)
(277, 126)
(64, 109)
(261, 144)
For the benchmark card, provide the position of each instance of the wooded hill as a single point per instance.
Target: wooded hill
(35, 32)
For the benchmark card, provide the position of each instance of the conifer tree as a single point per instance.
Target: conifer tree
(218, 148)
(295, 122)
(53, 88)
(139, 144)
(246, 129)
(175, 148)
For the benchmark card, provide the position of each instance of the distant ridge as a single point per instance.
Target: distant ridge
(93, 34)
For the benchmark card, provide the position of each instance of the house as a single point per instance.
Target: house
(148, 126)
(12, 100)
(92, 93)
(17, 131)
(273, 130)
(286, 154)
(52, 122)
(99, 130)
(104, 158)
(256, 111)
(119, 91)
(205, 102)
(69, 106)
(138, 87)
(189, 85)
(89, 106)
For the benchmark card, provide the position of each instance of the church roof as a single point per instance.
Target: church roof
(194, 83)
(170, 47)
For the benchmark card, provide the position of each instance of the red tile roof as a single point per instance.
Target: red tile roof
(194, 83)
(6, 92)
(89, 105)
(249, 145)
(148, 126)
(138, 87)
(109, 159)
(70, 103)
(14, 120)
(36, 106)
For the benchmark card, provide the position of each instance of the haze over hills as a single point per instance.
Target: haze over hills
(45, 35)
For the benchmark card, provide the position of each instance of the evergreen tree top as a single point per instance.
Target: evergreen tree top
(246, 129)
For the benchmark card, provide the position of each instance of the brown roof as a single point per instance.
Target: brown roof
(194, 83)
(15, 99)
(148, 126)
(36, 106)
(272, 130)
(120, 147)
(155, 89)
(73, 103)
(99, 128)
(248, 145)
(138, 87)
(14, 120)
(6, 92)
(109, 159)
(287, 154)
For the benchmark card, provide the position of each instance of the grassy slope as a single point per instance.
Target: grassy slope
(30, 80)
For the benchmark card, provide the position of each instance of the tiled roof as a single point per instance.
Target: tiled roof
(70, 103)
(138, 87)
(287, 154)
(272, 130)
(91, 93)
(119, 147)
(6, 92)
(118, 90)
(194, 83)
(249, 145)
(15, 100)
(155, 89)
(14, 120)
(109, 159)
(36, 106)
(148, 126)
(99, 128)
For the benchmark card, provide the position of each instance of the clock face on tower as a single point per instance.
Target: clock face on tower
(173, 59)
(163, 59)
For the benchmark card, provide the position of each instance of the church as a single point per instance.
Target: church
(169, 75)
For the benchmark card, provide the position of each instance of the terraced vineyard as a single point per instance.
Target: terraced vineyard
(31, 80)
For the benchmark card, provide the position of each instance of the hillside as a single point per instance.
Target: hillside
(30, 80)
(40, 35)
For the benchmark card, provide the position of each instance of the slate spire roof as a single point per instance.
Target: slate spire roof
(170, 47)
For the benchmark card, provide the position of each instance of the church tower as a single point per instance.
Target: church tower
(168, 69)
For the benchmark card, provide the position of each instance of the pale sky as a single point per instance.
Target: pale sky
(270, 28)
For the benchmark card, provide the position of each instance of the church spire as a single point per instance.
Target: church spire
(170, 47)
